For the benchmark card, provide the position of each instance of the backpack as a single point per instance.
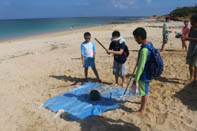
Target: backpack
(122, 58)
(155, 64)
(126, 51)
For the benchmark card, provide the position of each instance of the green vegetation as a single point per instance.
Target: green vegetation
(183, 12)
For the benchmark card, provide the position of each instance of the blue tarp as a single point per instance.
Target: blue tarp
(78, 105)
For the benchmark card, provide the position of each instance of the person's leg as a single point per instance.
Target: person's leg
(93, 65)
(195, 76)
(163, 44)
(143, 91)
(162, 47)
(96, 73)
(191, 71)
(144, 101)
(123, 73)
(195, 71)
(185, 45)
(86, 65)
(123, 80)
(116, 78)
(116, 72)
(165, 41)
(86, 73)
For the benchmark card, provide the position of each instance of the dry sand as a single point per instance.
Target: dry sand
(36, 68)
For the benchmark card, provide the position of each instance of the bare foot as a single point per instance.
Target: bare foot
(85, 80)
(100, 81)
(138, 113)
(189, 81)
(115, 85)
(162, 50)
(194, 84)
(124, 85)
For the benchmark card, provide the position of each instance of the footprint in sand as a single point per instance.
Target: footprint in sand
(161, 118)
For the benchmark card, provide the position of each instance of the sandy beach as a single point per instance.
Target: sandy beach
(36, 68)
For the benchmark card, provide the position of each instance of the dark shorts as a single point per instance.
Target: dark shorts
(192, 60)
(165, 39)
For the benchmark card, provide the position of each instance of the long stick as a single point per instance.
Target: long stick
(130, 79)
(101, 44)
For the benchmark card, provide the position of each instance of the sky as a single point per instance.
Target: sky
(17, 9)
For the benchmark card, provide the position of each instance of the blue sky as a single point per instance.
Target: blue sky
(13, 9)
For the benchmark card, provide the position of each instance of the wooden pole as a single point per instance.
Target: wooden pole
(101, 44)
(130, 79)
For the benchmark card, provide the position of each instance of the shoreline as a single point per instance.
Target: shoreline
(65, 31)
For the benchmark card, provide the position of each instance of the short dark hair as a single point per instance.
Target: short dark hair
(185, 21)
(167, 18)
(87, 34)
(116, 33)
(140, 32)
(194, 18)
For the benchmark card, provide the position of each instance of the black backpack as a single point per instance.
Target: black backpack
(122, 58)
(126, 51)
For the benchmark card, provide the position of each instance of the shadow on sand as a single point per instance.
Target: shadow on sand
(162, 79)
(188, 96)
(169, 80)
(100, 123)
(173, 50)
(75, 80)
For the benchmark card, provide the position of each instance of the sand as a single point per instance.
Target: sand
(36, 68)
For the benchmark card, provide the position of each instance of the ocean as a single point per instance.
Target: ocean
(10, 29)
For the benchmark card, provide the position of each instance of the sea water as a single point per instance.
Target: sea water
(10, 29)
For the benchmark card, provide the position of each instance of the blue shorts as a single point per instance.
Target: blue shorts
(88, 61)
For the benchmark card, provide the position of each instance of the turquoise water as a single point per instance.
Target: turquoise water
(26, 27)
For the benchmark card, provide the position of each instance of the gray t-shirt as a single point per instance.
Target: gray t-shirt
(192, 51)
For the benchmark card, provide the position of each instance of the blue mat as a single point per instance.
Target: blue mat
(78, 105)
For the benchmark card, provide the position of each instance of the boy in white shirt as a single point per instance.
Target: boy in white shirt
(88, 53)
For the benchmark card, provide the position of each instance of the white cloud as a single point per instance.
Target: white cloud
(149, 1)
(82, 4)
(122, 4)
(6, 3)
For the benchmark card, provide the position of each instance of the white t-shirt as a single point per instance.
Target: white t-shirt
(87, 49)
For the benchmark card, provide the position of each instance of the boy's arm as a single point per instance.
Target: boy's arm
(82, 53)
(122, 47)
(116, 52)
(110, 48)
(141, 64)
(94, 50)
(82, 58)
(167, 30)
(190, 39)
